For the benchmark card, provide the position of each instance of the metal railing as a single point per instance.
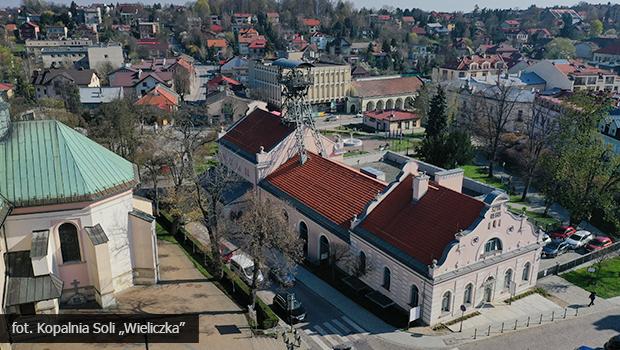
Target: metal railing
(558, 268)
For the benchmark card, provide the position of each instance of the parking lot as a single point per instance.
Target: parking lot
(546, 263)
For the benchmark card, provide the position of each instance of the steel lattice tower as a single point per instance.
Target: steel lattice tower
(296, 109)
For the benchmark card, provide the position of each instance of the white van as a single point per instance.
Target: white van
(243, 265)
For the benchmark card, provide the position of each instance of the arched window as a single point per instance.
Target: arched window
(323, 248)
(492, 245)
(446, 300)
(507, 278)
(386, 278)
(362, 263)
(414, 297)
(69, 243)
(468, 294)
(303, 234)
(526, 271)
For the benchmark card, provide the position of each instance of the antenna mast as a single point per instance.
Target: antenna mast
(296, 82)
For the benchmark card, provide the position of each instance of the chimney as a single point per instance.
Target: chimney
(420, 186)
(139, 73)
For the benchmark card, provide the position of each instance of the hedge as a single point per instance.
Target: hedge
(231, 283)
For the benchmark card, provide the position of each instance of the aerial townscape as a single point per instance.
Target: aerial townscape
(309, 174)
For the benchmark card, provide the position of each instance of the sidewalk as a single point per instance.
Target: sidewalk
(574, 297)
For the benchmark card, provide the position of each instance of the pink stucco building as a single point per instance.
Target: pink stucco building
(419, 241)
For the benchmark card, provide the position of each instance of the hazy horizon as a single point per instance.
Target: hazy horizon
(438, 5)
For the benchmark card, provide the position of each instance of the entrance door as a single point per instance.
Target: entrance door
(488, 292)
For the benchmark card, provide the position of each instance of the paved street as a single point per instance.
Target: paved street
(591, 330)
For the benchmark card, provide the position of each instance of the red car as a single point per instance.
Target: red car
(562, 233)
(598, 243)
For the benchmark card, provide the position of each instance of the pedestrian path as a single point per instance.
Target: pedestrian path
(334, 332)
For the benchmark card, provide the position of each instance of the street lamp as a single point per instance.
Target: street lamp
(463, 309)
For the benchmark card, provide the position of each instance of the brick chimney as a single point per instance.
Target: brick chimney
(420, 186)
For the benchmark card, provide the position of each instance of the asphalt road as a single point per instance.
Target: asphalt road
(324, 326)
(592, 330)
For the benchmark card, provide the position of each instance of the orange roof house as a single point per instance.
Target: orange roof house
(161, 97)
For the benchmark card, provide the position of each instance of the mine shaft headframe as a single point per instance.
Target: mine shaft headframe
(296, 81)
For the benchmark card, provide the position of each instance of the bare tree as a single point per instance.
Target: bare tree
(540, 127)
(491, 111)
(210, 188)
(152, 159)
(263, 231)
(181, 82)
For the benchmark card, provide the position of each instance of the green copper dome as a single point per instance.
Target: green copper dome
(46, 162)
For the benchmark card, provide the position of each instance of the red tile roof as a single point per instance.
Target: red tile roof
(333, 190)
(464, 62)
(392, 115)
(311, 22)
(160, 97)
(424, 228)
(216, 28)
(259, 128)
(386, 87)
(219, 43)
(6, 86)
(418, 30)
(258, 44)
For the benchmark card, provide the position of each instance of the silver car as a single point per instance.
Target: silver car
(579, 239)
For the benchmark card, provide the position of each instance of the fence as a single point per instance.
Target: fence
(520, 323)
(578, 261)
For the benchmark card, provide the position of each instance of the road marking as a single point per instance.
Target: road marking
(349, 332)
(316, 339)
(326, 336)
(337, 335)
(353, 324)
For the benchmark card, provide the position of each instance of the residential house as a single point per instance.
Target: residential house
(242, 21)
(154, 48)
(219, 46)
(222, 83)
(86, 31)
(29, 30)
(226, 108)
(320, 40)
(339, 47)
(558, 16)
(311, 25)
(248, 36)
(392, 122)
(148, 30)
(103, 54)
(436, 29)
(574, 75)
(129, 13)
(465, 251)
(67, 57)
(383, 93)
(53, 83)
(585, 50)
(90, 16)
(56, 32)
(144, 76)
(161, 97)
(537, 34)
(80, 236)
(236, 68)
(469, 66)
(34, 48)
(607, 57)
(93, 97)
(510, 25)
(610, 128)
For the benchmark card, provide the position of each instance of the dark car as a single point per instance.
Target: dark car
(598, 243)
(290, 306)
(562, 233)
(554, 249)
(613, 343)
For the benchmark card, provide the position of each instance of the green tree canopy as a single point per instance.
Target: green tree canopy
(560, 48)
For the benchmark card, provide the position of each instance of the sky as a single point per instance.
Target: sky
(437, 5)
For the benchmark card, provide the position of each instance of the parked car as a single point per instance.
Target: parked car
(359, 115)
(599, 242)
(285, 277)
(227, 250)
(243, 265)
(554, 249)
(579, 239)
(290, 306)
(613, 343)
(562, 233)
(545, 237)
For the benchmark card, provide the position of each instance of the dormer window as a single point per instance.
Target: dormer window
(492, 245)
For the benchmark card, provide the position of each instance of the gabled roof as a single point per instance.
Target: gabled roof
(46, 162)
(258, 129)
(609, 50)
(219, 43)
(6, 86)
(311, 22)
(327, 188)
(161, 97)
(386, 87)
(422, 229)
(79, 77)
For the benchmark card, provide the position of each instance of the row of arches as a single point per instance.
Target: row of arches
(398, 103)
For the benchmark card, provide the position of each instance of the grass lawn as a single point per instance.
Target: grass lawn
(605, 282)
(479, 173)
(407, 143)
(354, 154)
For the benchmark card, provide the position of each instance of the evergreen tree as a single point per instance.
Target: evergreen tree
(433, 145)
